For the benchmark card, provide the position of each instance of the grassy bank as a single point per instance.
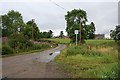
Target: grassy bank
(95, 59)
(21, 52)
(8, 51)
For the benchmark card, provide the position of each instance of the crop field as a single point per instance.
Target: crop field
(95, 59)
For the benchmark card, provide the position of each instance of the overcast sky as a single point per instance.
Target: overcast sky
(49, 16)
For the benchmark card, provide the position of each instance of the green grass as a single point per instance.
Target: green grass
(99, 42)
(60, 40)
(67, 41)
(97, 62)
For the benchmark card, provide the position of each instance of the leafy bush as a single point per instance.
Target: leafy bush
(20, 42)
(6, 50)
(13, 43)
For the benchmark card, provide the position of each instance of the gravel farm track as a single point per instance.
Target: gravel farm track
(34, 65)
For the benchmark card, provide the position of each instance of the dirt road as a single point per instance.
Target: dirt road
(35, 65)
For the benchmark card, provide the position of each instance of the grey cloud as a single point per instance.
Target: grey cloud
(49, 16)
(119, 12)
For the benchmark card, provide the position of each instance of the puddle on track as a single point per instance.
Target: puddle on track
(47, 57)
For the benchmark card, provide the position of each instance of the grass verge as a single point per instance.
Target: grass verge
(38, 49)
(96, 59)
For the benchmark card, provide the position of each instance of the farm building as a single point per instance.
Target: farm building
(99, 36)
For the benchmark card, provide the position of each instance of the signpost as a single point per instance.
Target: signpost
(19, 30)
(76, 32)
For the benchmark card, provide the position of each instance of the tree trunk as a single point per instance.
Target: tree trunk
(81, 34)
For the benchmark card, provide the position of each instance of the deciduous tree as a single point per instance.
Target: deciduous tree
(115, 34)
(61, 34)
(10, 22)
(31, 30)
(90, 31)
(75, 19)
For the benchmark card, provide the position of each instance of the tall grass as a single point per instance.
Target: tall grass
(95, 59)
(82, 50)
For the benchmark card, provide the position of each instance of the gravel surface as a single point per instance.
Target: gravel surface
(35, 65)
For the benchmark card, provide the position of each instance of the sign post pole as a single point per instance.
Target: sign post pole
(76, 32)
(76, 39)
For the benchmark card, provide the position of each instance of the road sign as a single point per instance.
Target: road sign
(76, 31)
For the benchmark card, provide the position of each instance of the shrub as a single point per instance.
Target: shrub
(13, 43)
(6, 50)
(20, 42)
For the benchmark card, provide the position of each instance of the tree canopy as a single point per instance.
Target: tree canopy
(10, 22)
(76, 20)
(13, 20)
(115, 34)
(31, 30)
(90, 31)
(48, 34)
(61, 34)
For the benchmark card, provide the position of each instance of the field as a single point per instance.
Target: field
(60, 40)
(95, 59)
